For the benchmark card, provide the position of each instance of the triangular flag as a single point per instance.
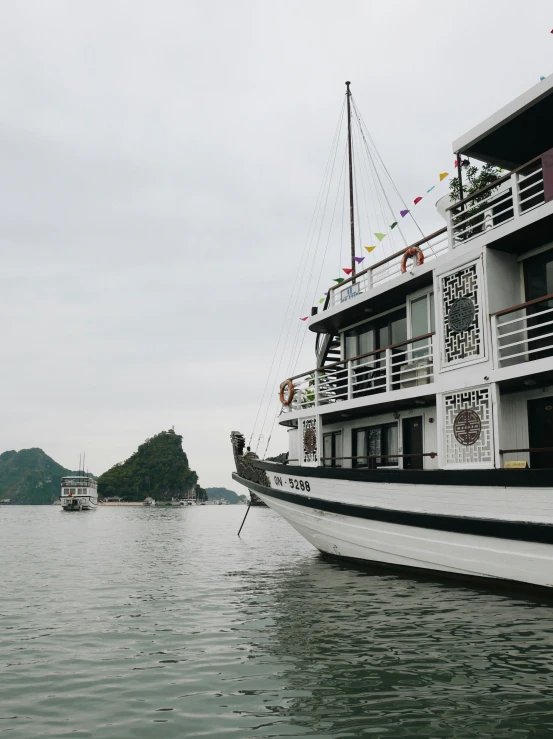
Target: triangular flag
(417, 200)
(347, 270)
(338, 279)
(394, 224)
(322, 300)
(359, 259)
(542, 78)
(456, 163)
(380, 236)
(304, 319)
(443, 175)
(403, 213)
(430, 189)
(370, 248)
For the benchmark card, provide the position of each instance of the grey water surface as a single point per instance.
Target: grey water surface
(160, 622)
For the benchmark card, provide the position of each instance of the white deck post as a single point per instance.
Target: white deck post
(516, 194)
(495, 346)
(388, 370)
(317, 399)
(350, 379)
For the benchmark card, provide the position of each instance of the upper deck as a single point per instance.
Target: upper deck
(78, 481)
(495, 247)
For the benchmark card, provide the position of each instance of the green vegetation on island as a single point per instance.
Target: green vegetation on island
(224, 494)
(30, 477)
(159, 468)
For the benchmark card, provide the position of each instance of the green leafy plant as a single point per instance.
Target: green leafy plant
(474, 179)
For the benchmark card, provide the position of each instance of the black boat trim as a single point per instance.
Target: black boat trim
(500, 478)
(541, 533)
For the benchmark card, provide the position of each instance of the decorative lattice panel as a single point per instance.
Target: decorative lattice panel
(309, 437)
(468, 427)
(461, 311)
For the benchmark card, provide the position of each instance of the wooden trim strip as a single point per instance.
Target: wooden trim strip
(520, 306)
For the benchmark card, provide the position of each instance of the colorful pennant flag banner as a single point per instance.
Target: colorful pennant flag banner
(304, 319)
(443, 175)
(359, 259)
(380, 236)
(403, 213)
(394, 224)
(370, 248)
(430, 189)
(347, 270)
(417, 200)
(338, 279)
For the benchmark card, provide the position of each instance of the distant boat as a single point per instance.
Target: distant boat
(79, 493)
(149, 501)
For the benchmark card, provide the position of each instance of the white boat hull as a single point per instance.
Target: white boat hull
(365, 536)
(79, 504)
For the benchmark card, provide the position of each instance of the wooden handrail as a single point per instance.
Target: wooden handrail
(520, 306)
(382, 456)
(493, 184)
(388, 259)
(514, 451)
(362, 356)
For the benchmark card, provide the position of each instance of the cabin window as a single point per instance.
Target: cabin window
(422, 322)
(72, 490)
(369, 443)
(332, 449)
(378, 334)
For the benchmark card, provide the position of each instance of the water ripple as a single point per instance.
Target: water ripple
(142, 623)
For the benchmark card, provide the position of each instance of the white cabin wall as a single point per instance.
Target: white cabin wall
(503, 280)
(294, 445)
(430, 441)
(513, 428)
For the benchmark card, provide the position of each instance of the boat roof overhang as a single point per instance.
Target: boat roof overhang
(378, 300)
(515, 134)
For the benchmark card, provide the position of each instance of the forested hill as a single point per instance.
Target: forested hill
(30, 477)
(158, 468)
(225, 494)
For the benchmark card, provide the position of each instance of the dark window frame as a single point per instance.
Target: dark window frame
(333, 435)
(379, 462)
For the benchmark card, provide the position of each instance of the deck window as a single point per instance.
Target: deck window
(332, 449)
(371, 442)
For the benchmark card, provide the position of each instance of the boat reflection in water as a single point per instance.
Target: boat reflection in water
(365, 653)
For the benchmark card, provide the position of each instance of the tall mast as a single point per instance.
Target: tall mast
(351, 211)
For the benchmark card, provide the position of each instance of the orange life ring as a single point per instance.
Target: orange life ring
(412, 251)
(290, 385)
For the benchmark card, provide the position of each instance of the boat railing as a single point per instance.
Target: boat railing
(386, 269)
(406, 364)
(372, 460)
(504, 200)
(523, 332)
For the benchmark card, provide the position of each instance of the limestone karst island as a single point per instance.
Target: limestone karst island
(157, 471)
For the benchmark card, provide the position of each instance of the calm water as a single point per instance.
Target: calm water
(138, 622)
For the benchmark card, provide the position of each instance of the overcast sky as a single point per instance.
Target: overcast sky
(159, 167)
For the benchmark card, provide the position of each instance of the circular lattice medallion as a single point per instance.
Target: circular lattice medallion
(461, 314)
(467, 427)
(309, 441)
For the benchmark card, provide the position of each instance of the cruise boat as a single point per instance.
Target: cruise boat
(422, 435)
(79, 493)
(149, 501)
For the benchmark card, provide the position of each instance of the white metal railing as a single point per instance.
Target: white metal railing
(386, 270)
(400, 366)
(507, 199)
(524, 332)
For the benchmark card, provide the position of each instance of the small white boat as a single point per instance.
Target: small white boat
(79, 493)
(149, 501)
